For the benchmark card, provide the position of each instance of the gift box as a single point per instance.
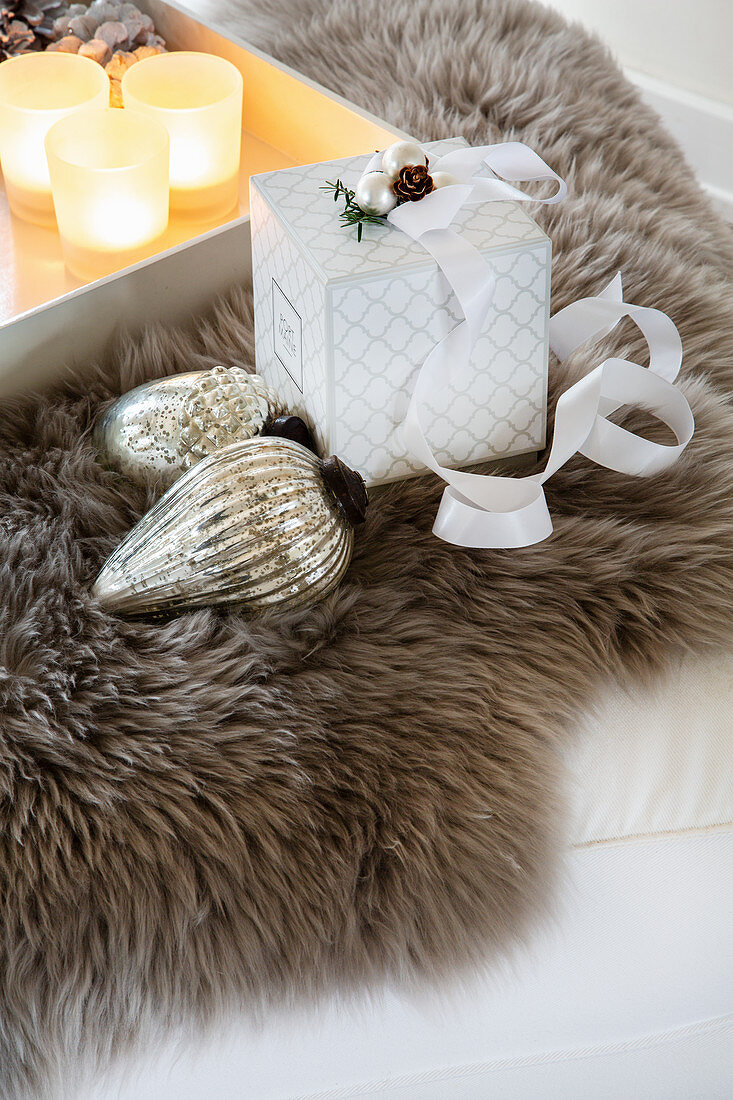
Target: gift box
(342, 326)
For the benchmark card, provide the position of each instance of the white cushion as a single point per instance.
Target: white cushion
(628, 991)
(659, 759)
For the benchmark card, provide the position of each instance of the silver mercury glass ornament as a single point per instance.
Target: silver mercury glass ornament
(263, 523)
(403, 154)
(168, 425)
(374, 193)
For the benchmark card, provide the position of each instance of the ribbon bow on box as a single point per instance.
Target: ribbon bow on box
(482, 510)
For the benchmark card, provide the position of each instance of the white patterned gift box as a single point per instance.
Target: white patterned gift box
(342, 327)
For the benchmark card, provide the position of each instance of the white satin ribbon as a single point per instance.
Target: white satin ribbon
(481, 510)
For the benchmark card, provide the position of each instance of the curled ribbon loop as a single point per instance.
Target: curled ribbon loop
(487, 511)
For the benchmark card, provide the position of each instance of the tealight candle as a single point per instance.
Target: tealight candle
(36, 90)
(109, 174)
(198, 97)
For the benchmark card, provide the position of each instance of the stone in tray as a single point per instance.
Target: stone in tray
(114, 34)
(106, 25)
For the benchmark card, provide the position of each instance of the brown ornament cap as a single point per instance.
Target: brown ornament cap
(290, 427)
(348, 487)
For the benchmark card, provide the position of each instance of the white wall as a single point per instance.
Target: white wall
(688, 43)
(680, 54)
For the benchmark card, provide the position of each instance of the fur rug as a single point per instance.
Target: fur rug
(221, 812)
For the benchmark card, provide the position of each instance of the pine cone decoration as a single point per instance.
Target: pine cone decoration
(16, 37)
(26, 25)
(413, 183)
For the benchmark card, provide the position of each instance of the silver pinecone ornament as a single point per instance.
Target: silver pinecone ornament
(166, 426)
(262, 523)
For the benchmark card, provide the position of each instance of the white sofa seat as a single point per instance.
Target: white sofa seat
(628, 991)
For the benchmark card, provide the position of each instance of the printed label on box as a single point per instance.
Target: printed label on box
(287, 329)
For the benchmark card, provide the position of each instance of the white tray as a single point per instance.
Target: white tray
(50, 322)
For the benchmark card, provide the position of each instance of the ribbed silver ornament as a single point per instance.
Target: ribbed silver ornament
(253, 524)
(168, 425)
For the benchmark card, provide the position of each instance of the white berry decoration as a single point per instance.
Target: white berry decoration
(375, 194)
(403, 154)
(443, 179)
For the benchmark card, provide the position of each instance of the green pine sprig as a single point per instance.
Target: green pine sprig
(352, 213)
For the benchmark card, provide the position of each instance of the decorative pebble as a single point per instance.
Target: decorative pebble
(119, 64)
(137, 32)
(147, 51)
(98, 50)
(83, 26)
(115, 94)
(69, 44)
(104, 11)
(61, 26)
(114, 34)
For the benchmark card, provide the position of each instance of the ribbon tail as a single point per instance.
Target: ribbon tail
(487, 511)
(512, 161)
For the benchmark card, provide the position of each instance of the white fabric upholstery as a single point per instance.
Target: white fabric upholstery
(629, 991)
(659, 759)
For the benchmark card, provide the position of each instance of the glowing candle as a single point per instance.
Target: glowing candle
(36, 90)
(198, 97)
(109, 174)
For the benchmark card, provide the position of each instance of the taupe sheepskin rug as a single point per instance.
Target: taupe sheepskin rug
(223, 812)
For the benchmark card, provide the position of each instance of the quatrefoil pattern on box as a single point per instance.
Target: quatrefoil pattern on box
(371, 312)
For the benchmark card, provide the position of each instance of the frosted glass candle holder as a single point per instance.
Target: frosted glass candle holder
(198, 97)
(36, 90)
(109, 174)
